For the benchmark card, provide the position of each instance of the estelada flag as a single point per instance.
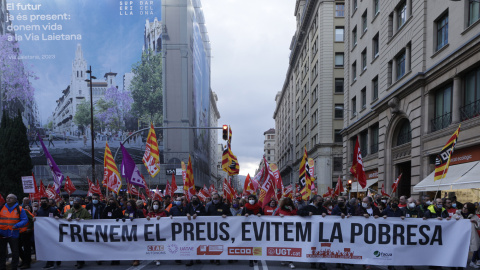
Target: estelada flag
(174, 184)
(268, 188)
(69, 187)
(395, 184)
(151, 155)
(383, 191)
(132, 190)
(339, 187)
(442, 161)
(304, 180)
(357, 168)
(111, 177)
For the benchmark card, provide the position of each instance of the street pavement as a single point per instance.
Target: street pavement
(261, 265)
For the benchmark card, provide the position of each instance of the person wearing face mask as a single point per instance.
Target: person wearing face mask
(157, 212)
(217, 208)
(412, 211)
(252, 207)
(95, 207)
(341, 208)
(468, 212)
(177, 209)
(78, 213)
(299, 202)
(436, 211)
(45, 210)
(424, 203)
(195, 208)
(367, 209)
(450, 209)
(112, 211)
(34, 208)
(235, 209)
(393, 209)
(455, 204)
(315, 208)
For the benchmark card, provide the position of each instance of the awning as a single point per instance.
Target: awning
(460, 176)
(360, 189)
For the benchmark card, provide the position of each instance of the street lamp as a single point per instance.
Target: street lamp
(89, 71)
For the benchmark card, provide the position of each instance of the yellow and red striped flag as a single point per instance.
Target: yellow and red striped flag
(443, 159)
(151, 155)
(111, 176)
(229, 160)
(189, 181)
(304, 180)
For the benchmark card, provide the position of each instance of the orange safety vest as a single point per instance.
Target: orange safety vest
(8, 219)
(25, 228)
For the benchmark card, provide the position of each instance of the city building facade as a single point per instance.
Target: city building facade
(411, 76)
(269, 145)
(308, 113)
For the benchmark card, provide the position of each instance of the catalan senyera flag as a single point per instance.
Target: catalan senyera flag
(229, 160)
(184, 178)
(111, 177)
(189, 181)
(442, 160)
(151, 155)
(304, 180)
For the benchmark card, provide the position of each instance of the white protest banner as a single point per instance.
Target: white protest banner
(355, 240)
(28, 184)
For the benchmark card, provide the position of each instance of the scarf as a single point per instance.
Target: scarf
(255, 208)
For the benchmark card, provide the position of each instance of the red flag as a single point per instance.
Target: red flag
(278, 180)
(52, 194)
(206, 191)
(248, 187)
(69, 187)
(132, 190)
(174, 184)
(339, 187)
(168, 190)
(34, 196)
(212, 189)
(268, 188)
(395, 184)
(288, 191)
(329, 192)
(97, 188)
(383, 191)
(227, 190)
(314, 189)
(357, 168)
(41, 190)
(2, 200)
(92, 189)
(143, 197)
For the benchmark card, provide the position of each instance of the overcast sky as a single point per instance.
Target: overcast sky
(250, 47)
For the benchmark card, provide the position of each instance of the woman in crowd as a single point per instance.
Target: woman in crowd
(329, 206)
(252, 207)
(157, 212)
(468, 212)
(235, 209)
(269, 209)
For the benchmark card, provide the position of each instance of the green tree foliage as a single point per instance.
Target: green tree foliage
(82, 116)
(146, 88)
(15, 160)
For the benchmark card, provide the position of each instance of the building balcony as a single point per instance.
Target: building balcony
(470, 110)
(441, 122)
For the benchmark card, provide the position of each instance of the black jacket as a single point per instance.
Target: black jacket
(41, 212)
(304, 211)
(98, 211)
(360, 211)
(218, 209)
(111, 212)
(199, 210)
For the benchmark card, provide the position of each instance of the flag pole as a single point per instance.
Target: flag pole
(357, 186)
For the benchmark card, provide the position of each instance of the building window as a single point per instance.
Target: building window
(400, 62)
(339, 82)
(338, 59)
(339, 111)
(374, 139)
(354, 106)
(337, 164)
(405, 133)
(364, 22)
(364, 59)
(364, 98)
(473, 11)
(471, 103)
(354, 36)
(376, 7)
(375, 46)
(340, 10)
(364, 143)
(339, 34)
(443, 109)
(401, 14)
(338, 136)
(375, 88)
(354, 71)
(354, 6)
(442, 31)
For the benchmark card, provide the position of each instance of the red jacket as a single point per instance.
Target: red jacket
(284, 212)
(268, 211)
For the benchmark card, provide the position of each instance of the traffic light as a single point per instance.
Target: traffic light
(349, 185)
(225, 132)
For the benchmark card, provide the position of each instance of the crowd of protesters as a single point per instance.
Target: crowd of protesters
(16, 219)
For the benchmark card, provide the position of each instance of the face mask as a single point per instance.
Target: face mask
(121, 204)
(95, 201)
(439, 206)
(454, 205)
(330, 207)
(178, 203)
(35, 209)
(394, 205)
(364, 205)
(235, 206)
(428, 202)
(288, 207)
(384, 201)
(44, 205)
(251, 202)
(71, 202)
(76, 205)
(411, 205)
(155, 207)
(215, 201)
(341, 204)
